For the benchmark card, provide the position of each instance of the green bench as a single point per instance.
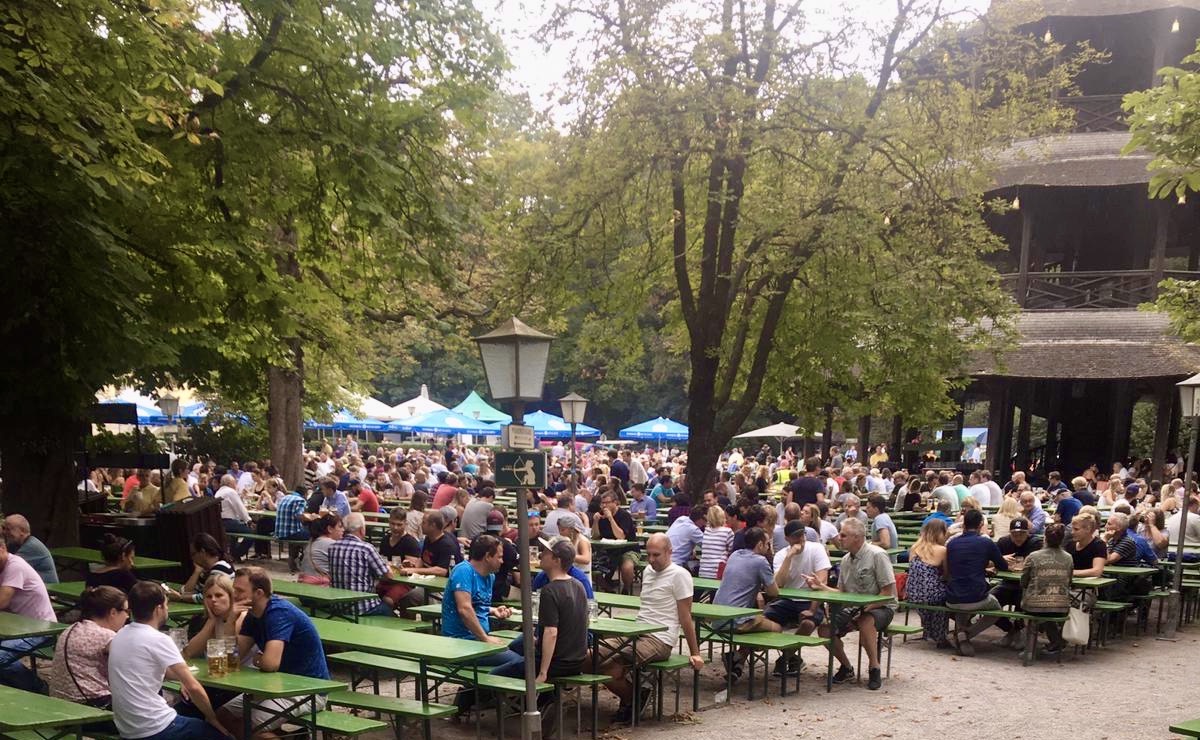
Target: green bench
(577, 684)
(760, 645)
(1191, 728)
(395, 708)
(884, 641)
(1028, 655)
(674, 665)
(342, 724)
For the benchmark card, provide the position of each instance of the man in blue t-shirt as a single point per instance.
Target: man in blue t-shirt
(967, 558)
(287, 639)
(1066, 505)
(467, 603)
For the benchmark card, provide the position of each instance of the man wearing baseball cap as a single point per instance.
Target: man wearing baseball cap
(1018, 544)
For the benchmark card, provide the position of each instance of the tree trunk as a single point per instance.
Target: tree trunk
(284, 396)
(39, 475)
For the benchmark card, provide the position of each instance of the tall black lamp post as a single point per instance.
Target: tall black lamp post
(1189, 401)
(574, 406)
(514, 357)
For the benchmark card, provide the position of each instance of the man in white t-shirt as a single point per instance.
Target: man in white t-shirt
(979, 490)
(800, 558)
(245, 481)
(997, 497)
(138, 659)
(666, 601)
(22, 592)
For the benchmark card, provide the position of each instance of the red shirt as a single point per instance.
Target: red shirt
(444, 496)
(131, 483)
(369, 501)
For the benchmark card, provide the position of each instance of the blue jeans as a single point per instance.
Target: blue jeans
(187, 728)
(12, 672)
(466, 696)
(379, 610)
(242, 546)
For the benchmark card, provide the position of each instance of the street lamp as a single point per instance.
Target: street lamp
(574, 406)
(1189, 402)
(514, 357)
(169, 405)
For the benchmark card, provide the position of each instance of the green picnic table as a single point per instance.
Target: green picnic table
(429, 583)
(329, 600)
(24, 711)
(705, 584)
(1128, 570)
(837, 601)
(258, 687)
(606, 602)
(604, 544)
(1076, 582)
(456, 656)
(68, 592)
(18, 627)
(89, 556)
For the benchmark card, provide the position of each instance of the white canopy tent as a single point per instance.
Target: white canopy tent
(776, 431)
(417, 406)
(373, 408)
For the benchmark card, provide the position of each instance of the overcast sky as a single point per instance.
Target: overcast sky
(537, 70)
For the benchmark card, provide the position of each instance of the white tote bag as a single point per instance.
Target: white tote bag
(1077, 628)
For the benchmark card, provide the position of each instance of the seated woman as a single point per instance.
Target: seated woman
(1046, 582)
(223, 618)
(117, 570)
(1009, 510)
(314, 564)
(926, 579)
(207, 556)
(1086, 549)
(79, 672)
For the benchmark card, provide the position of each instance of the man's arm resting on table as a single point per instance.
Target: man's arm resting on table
(683, 608)
(272, 654)
(466, 612)
(195, 693)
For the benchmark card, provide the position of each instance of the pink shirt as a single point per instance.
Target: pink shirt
(29, 597)
(80, 668)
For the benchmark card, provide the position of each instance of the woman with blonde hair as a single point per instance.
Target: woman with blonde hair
(718, 538)
(925, 585)
(1009, 509)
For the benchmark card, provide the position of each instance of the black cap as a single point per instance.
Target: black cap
(793, 528)
(1019, 524)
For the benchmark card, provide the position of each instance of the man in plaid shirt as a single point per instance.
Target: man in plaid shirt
(356, 565)
(289, 525)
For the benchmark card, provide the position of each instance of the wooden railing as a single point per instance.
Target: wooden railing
(1096, 113)
(1094, 289)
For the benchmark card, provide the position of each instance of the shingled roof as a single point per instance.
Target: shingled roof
(1105, 344)
(1093, 8)
(1073, 160)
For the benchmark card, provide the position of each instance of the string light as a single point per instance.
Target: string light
(1016, 204)
(1182, 198)
(1049, 37)
(1175, 26)
(887, 220)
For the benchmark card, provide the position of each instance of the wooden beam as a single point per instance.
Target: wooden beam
(1158, 259)
(1026, 245)
(1164, 398)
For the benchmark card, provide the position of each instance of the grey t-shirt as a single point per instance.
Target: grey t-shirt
(474, 519)
(34, 552)
(883, 521)
(746, 572)
(867, 572)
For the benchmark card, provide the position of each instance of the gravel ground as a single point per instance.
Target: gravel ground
(1134, 688)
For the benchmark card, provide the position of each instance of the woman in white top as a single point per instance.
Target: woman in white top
(568, 526)
(415, 515)
(1009, 510)
(314, 566)
(714, 548)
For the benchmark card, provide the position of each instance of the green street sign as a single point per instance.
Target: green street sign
(521, 469)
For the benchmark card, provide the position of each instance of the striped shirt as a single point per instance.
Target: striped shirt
(357, 566)
(714, 549)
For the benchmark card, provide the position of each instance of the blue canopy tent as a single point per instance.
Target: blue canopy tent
(344, 420)
(660, 429)
(549, 426)
(194, 411)
(147, 416)
(444, 421)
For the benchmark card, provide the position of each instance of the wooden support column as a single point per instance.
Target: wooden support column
(1158, 258)
(1164, 398)
(1024, 420)
(864, 438)
(999, 429)
(894, 452)
(1026, 248)
(1051, 454)
(1121, 414)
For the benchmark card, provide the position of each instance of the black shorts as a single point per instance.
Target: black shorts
(846, 620)
(786, 612)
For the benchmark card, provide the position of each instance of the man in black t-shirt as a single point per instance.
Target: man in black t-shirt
(1015, 546)
(561, 639)
(808, 488)
(437, 558)
(615, 523)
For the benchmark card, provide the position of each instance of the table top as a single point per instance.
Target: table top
(623, 627)
(834, 597)
(434, 583)
(23, 710)
(615, 544)
(249, 680)
(709, 612)
(320, 594)
(705, 584)
(619, 601)
(403, 643)
(1076, 582)
(70, 591)
(88, 555)
(15, 626)
(1128, 570)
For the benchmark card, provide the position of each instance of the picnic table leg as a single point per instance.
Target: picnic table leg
(637, 683)
(247, 711)
(312, 704)
(423, 695)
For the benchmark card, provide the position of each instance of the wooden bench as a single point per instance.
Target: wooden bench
(675, 664)
(1028, 655)
(342, 724)
(760, 645)
(395, 708)
(566, 684)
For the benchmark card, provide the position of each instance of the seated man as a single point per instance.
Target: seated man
(562, 626)
(286, 639)
(467, 603)
(290, 526)
(1015, 547)
(747, 572)
(865, 569)
(943, 513)
(792, 565)
(438, 552)
(967, 558)
(21, 542)
(883, 530)
(1031, 508)
(140, 656)
(355, 565)
(666, 601)
(686, 533)
(614, 523)
(22, 592)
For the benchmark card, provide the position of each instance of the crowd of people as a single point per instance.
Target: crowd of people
(443, 519)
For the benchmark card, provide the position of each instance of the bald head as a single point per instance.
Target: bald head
(658, 551)
(16, 531)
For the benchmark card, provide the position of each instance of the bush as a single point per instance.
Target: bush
(106, 442)
(232, 440)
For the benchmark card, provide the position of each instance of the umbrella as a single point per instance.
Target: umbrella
(344, 419)
(373, 408)
(549, 426)
(417, 405)
(474, 407)
(659, 429)
(147, 416)
(777, 431)
(443, 422)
